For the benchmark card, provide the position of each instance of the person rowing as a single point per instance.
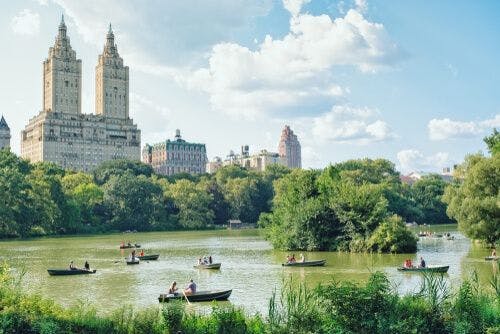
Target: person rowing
(190, 288)
(173, 288)
(86, 265)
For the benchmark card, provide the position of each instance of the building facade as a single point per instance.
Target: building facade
(289, 148)
(60, 133)
(176, 156)
(4, 134)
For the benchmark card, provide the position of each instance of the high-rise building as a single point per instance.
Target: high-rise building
(289, 148)
(60, 133)
(176, 156)
(4, 134)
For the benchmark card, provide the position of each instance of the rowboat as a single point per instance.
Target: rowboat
(318, 263)
(149, 257)
(130, 246)
(61, 272)
(200, 296)
(208, 266)
(492, 258)
(133, 261)
(429, 269)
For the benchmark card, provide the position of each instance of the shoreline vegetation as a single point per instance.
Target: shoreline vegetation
(336, 307)
(357, 205)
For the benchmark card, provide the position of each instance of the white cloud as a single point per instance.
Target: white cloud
(294, 6)
(440, 129)
(346, 124)
(26, 22)
(411, 160)
(361, 5)
(295, 70)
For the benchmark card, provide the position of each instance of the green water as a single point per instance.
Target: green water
(249, 266)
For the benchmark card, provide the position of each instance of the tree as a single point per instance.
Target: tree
(120, 167)
(493, 142)
(392, 236)
(427, 194)
(134, 202)
(474, 201)
(193, 204)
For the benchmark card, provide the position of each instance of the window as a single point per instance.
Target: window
(66, 83)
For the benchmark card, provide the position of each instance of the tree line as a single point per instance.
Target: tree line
(356, 205)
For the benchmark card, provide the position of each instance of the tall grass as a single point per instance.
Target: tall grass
(337, 307)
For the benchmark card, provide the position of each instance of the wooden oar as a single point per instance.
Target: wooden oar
(184, 293)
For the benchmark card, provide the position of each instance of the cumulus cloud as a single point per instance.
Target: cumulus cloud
(26, 22)
(296, 69)
(347, 124)
(441, 129)
(294, 6)
(411, 160)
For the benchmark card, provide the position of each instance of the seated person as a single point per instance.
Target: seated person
(422, 262)
(72, 266)
(86, 265)
(302, 258)
(190, 288)
(292, 260)
(173, 288)
(494, 253)
(288, 259)
(142, 253)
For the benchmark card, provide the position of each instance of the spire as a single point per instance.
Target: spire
(110, 47)
(110, 31)
(62, 27)
(3, 124)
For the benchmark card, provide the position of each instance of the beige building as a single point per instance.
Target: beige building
(60, 133)
(259, 161)
(4, 134)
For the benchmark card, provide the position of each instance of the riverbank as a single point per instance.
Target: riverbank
(338, 307)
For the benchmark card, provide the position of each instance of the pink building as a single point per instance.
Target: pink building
(289, 148)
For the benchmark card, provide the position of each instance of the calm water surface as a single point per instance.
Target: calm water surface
(249, 266)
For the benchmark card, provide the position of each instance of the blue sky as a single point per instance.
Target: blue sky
(411, 81)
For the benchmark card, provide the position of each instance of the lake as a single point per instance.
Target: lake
(249, 266)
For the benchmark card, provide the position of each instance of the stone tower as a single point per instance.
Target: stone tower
(62, 76)
(4, 134)
(289, 149)
(111, 82)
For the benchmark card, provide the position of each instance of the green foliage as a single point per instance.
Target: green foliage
(474, 201)
(392, 236)
(338, 209)
(427, 193)
(120, 167)
(493, 142)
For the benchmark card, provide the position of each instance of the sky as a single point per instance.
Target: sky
(415, 82)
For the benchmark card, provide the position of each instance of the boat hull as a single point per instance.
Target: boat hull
(149, 257)
(66, 272)
(436, 269)
(208, 266)
(318, 263)
(131, 262)
(201, 296)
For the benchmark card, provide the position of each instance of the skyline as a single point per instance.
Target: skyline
(355, 79)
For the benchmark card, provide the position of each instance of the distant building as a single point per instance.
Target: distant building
(4, 134)
(415, 176)
(289, 148)
(177, 156)
(60, 133)
(214, 165)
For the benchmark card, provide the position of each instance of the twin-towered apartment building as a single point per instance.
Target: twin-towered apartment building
(60, 133)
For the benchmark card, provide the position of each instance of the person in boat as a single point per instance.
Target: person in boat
(190, 288)
(210, 259)
(72, 266)
(86, 265)
(142, 253)
(302, 258)
(494, 253)
(288, 259)
(292, 260)
(132, 255)
(199, 261)
(173, 288)
(205, 260)
(422, 262)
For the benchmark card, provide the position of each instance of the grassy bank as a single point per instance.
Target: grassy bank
(338, 307)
